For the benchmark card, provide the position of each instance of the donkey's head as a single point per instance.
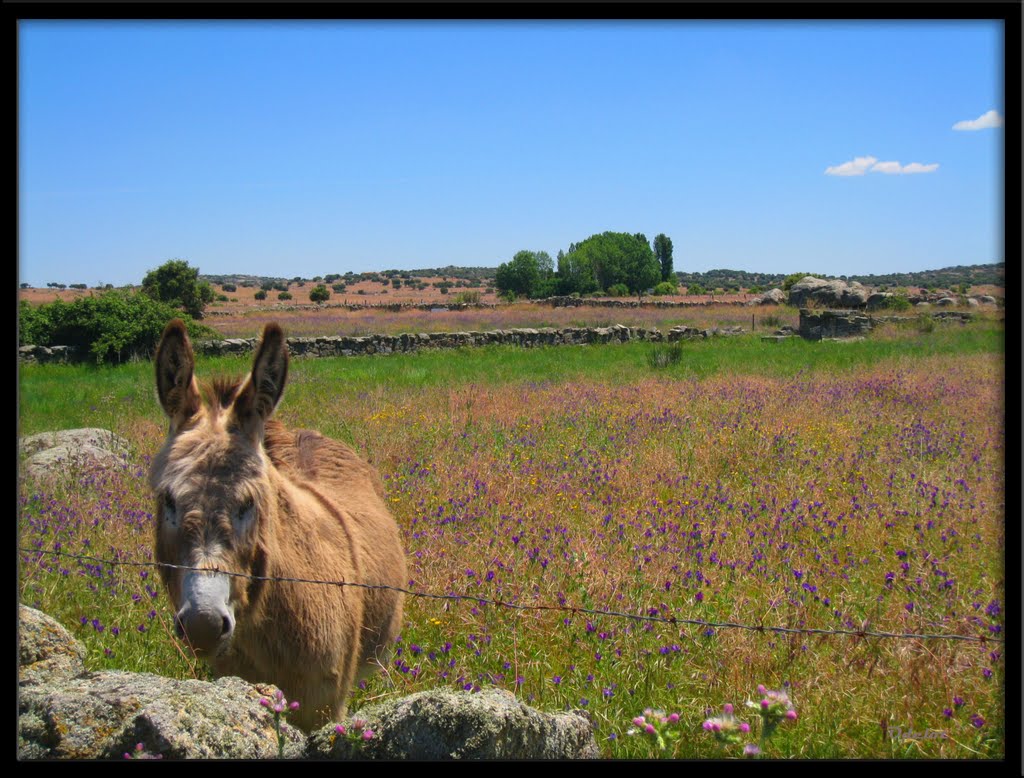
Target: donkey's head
(212, 487)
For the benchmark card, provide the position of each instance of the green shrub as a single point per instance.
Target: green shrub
(284, 296)
(339, 287)
(665, 287)
(228, 287)
(261, 294)
(177, 284)
(111, 327)
(898, 302)
(319, 294)
(618, 290)
(665, 355)
(695, 289)
(470, 298)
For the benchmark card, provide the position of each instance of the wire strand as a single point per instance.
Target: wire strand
(674, 620)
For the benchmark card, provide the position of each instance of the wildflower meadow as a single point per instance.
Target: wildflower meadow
(761, 550)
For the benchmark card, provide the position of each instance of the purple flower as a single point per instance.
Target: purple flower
(986, 672)
(947, 712)
(958, 701)
(750, 750)
(977, 721)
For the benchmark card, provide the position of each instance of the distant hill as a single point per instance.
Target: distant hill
(945, 278)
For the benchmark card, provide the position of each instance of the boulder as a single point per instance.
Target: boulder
(65, 712)
(46, 651)
(86, 448)
(442, 724)
(828, 293)
(771, 297)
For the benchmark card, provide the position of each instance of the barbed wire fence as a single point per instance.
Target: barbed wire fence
(571, 609)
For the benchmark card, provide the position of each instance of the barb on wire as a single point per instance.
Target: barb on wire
(675, 620)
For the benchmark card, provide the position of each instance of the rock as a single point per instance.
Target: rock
(822, 325)
(771, 297)
(46, 651)
(105, 714)
(67, 713)
(444, 724)
(972, 303)
(987, 299)
(828, 293)
(82, 448)
(945, 302)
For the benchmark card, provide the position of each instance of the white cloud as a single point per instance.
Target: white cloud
(917, 167)
(984, 122)
(861, 165)
(886, 167)
(856, 167)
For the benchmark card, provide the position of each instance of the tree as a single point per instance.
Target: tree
(319, 294)
(663, 253)
(610, 258)
(178, 285)
(525, 275)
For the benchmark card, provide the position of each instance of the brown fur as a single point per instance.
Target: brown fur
(318, 513)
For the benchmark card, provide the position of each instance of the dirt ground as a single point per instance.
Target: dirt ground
(374, 293)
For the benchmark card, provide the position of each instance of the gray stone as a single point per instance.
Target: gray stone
(828, 293)
(823, 325)
(79, 449)
(46, 651)
(444, 724)
(67, 713)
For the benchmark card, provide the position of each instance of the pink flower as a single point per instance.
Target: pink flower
(367, 734)
(727, 708)
(791, 715)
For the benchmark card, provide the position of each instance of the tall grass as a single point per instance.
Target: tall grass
(831, 486)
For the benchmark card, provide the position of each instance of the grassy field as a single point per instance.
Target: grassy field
(802, 485)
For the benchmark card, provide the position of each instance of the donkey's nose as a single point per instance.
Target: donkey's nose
(206, 617)
(204, 628)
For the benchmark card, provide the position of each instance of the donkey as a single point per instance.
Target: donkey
(241, 501)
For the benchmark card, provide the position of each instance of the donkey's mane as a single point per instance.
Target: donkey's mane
(221, 390)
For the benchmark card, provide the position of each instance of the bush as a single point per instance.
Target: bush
(228, 287)
(178, 285)
(319, 294)
(470, 298)
(222, 298)
(339, 287)
(112, 326)
(261, 294)
(284, 296)
(664, 356)
(618, 290)
(665, 287)
(898, 302)
(695, 289)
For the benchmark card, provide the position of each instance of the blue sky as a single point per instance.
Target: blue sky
(302, 149)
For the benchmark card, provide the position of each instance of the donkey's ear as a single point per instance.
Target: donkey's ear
(262, 390)
(175, 380)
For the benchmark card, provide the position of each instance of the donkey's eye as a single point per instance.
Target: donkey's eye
(245, 511)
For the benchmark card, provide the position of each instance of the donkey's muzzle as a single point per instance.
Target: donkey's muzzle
(206, 618)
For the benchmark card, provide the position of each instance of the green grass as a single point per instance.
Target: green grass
(583, 473)
(112, 397)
